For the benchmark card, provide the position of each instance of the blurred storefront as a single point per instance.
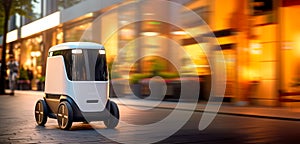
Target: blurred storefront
(290, 46)
(258, 38)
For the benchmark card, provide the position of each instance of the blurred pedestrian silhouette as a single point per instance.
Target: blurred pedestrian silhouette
(13, 72)
(30, 77)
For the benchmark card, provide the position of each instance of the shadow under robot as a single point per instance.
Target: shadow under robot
(76, 86)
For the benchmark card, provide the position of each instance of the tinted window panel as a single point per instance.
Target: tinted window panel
(86, 66)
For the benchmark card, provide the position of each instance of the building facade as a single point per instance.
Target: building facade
(258, 38)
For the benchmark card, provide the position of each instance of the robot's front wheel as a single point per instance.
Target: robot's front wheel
(65, 115)
(41, 112)
(113, 119)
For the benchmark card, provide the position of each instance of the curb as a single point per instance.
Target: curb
(224, 113)
(201, 110)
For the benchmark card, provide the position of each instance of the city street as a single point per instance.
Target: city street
(18, 126)
(176, 71)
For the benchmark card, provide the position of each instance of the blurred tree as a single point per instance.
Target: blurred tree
(7, 9)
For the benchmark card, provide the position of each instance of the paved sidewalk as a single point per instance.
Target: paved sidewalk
(280, 113)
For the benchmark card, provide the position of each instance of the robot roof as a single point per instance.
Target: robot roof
(75, 45)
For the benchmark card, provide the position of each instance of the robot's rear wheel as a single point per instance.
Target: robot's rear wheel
(113, 119)
(65, 115)
(41, 112)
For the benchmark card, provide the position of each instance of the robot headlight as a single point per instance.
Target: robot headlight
(101, 51)
(77, 51)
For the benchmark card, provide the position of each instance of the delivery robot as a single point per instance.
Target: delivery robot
(76, 86)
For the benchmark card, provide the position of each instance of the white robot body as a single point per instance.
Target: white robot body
(90, 96)
(76, 86)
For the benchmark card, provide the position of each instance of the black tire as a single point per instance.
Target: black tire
(64, 115)
(41, 112)
(113, 118)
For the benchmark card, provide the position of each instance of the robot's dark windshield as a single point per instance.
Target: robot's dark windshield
(85, 64)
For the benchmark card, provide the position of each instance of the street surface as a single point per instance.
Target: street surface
(18, 126)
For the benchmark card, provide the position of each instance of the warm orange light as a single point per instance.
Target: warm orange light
(297, 48)
(250, 75)
(150, 33)
(35, 53)
(127, 33)
(179, 33)
(60, 36)
(255, 48)
(28, 62)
